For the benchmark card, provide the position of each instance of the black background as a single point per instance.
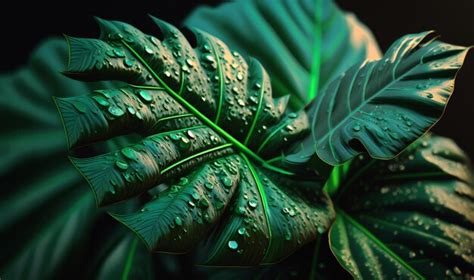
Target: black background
(23, 25)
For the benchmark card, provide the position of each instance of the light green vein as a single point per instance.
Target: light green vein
(181, 116)
(378, 242)
(128, 263)
(271, 135)
(255, 117)
(316, 65)
(264, 199)
(205, 119)
(196, 155)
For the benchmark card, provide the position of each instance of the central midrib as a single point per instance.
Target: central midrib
(204, 119)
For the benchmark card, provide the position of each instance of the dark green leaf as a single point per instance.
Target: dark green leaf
(303, 44)
(411, 217)
(128, 259)
(383, 106)
(205, 114)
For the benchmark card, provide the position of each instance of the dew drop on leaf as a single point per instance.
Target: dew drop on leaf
(241, 231)
(233, 245)
(121, 164)
(101, 100)
(145, 96)
(178, 221)
(227, 182)
(253, 204)
(116, 111)
(128, 62)
(129, 153)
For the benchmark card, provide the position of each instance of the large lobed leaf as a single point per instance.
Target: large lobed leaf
(380, 107)
(411, 217)
(207, 116)
(304, 44)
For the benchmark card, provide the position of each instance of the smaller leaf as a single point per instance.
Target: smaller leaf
(411, 217)
(380, 107)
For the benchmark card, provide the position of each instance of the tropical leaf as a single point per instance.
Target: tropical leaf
(127, 259)
(410, 217)
(45, 214)
(205, 114)
(303, 44)
(383, 106)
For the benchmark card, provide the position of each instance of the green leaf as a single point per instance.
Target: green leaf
(304, 44)
(382, 106)
(127, 259)
(410, 217)
(208, 116)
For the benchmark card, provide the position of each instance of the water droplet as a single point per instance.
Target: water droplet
(258, 86)
(101, 100)
(209, 186)
(287, 235)
(253, 204)
(227, 182)
(241, 231)
(184, 143)
(320, 230)
(233, 245)
(79, 106)
(148, 50)
(203, 203)
(235, 90)
(167, 74)
(191, 134)
(131, 110)
(240, 76)
(118, 53)
(116, 111)
(129, 153)
(145, 96)
(394, 135)
(195, 195)
(121, 164)
(128, 62)
(429, 95)
(178, 221)
(356, 128)
(191, 204)
(411, 254)
(292, 115)
(190, 62)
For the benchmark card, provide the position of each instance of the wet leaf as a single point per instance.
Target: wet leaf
(410, 217)
(382, 106)
(304, 44)
(207, 116)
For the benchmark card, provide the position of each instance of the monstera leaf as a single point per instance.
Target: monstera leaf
(382, 106)
(212, 134)
(304, 44)
(411, 217)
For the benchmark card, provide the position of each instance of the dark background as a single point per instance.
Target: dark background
(24, 25)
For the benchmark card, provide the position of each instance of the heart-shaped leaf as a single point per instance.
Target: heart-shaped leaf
(411, 217)
(382, 106)
(206, 114)
(304, 44)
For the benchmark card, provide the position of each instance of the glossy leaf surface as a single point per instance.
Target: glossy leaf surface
(206, 115)
(411, 217)
(383, 106)
(304, 44)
